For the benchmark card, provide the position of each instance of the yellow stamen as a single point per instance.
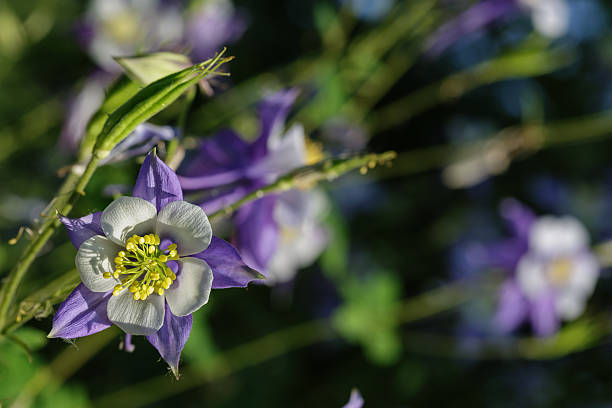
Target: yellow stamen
(142, 267)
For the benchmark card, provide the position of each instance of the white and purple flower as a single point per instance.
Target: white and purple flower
(553, 272)
(226, 168)
(147, 263)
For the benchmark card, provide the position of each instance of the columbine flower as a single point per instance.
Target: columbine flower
(146, 263)
(552, 271)
(355, 401)
(549, 17)
(226, 168)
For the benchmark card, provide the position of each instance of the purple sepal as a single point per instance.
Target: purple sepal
(273, 111)
(81, 314)
(518, 217)
(229, 270)
(171, 338)
(470, 21)
(157, 183)
(512, 309)
(257, 232)
(543, 315)
(224, 152)
(356, 400)
(81, 229)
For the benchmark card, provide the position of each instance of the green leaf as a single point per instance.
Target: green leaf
(369, 317)
(149, 101)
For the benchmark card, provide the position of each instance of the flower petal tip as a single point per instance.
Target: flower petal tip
(175, 371)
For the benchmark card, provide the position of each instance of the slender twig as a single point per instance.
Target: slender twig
(16, 275)
(307, 177)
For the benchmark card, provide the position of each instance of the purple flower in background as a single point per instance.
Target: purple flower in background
(119, 28)
(115, 28)
(302, 238)
(355, 401)
(212, 25)
(552, 270)
(549, 17)
(147, 263)
(226, 167)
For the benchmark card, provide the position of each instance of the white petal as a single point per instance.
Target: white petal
(558, 236)
(584, 274)
(137, 317)
(531, 276)
(185, 224)
(287, 155)
(94, 257)
(127, 216)
(569, 305)
(191, 289)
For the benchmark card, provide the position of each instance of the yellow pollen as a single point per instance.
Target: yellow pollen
(142, 267)
(559, 271)
(314, 151)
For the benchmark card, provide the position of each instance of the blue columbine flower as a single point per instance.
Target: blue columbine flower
(147, 263)
(226, 168)
(552, 271)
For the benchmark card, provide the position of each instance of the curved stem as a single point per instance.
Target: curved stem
(16, 275)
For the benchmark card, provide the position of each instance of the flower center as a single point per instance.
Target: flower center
(142, 268)
(559, 271)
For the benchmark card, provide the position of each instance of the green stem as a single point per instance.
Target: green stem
(519, 64)
(309, 176)
(40, 303)
(16, 275)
